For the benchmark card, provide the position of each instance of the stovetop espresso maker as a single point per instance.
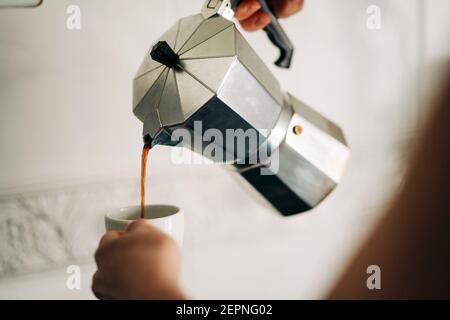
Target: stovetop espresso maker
(203, 78)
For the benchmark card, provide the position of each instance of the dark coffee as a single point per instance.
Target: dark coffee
(144, 156)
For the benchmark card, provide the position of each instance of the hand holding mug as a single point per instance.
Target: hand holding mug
(140, 258)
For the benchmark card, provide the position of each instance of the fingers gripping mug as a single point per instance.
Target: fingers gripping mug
(167, 218)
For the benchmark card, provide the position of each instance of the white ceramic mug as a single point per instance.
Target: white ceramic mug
(169, 219)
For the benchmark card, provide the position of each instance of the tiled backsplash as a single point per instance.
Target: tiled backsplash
(44, 229)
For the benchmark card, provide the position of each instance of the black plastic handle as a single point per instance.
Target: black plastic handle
(276, 34)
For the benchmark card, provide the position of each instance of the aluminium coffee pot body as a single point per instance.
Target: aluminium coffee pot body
(203, 78)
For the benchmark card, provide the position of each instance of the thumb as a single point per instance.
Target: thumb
(145, 226)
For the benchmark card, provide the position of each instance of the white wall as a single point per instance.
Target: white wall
(66, 122)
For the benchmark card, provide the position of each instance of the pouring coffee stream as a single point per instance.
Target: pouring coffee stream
(145, 151)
